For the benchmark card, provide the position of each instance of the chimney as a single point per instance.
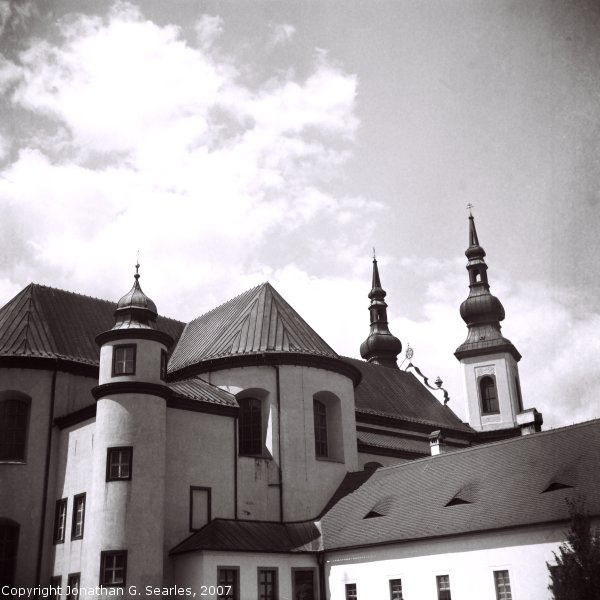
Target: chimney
(530, 421)
(437, 443)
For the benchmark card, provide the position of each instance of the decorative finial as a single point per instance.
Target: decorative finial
(374, 257)
(137, 265)
(409, 352)
(470, 206)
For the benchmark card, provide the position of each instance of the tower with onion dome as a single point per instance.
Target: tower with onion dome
(489, 360)
(381, 347)
(127, 499)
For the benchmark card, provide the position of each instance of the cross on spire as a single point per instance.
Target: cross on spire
(469, 207)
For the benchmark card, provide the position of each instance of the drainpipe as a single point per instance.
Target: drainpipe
(38, 568)
(235, 466)
(322, 585)
(278, 392)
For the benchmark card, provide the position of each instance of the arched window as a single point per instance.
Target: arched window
(9, 539)
(320, 414)
(489, 395)
(14, 416)
(250, 426)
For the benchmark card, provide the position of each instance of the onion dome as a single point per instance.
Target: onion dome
(381, 347)
(135, 309)
(481, 311)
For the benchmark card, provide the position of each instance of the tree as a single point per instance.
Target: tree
(576, 575)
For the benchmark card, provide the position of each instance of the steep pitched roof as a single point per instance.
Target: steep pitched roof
(395, 393)
(503, 484)
(199, 390)
(45, 322)
(255, 322)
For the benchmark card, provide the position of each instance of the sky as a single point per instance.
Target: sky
(235, 142)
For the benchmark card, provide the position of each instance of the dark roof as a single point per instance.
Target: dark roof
(501, 483)
(45, 322)
(351, 482)
(391, 392)
(393, 442)
(252, 536)
(197, 389)
(255, 322)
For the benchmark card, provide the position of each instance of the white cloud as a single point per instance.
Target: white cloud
(208, 29)
(282, 33)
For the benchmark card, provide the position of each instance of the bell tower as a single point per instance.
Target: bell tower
(489, 361)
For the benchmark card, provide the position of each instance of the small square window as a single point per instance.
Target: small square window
(78, 517)
(124, 360)
(73, 583)
(502, 583)
(60, 521)
(351, 591)
(113, 568)
(228, 583)
(119, 463)
(443, 587)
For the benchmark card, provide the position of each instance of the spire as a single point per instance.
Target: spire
(381, 347)
(135, 309)
(481, 311)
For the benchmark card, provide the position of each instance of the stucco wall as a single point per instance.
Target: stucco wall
(470, 561)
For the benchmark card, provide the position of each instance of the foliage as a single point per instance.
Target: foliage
(576, 575)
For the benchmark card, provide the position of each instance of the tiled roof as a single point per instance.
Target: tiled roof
(394, 442)
(197, 389)
(392, 392)
(503, 484)
(252, 536)
(45, 322)
(255, 322)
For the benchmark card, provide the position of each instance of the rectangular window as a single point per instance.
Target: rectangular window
(228, 583)
(320, 418)
(119, 463)
(199, 507)
(124, 360)
(502, 583)
(78, 517)
(267, 584)
(163, 365)
(113, 568)
(351, 591)
(303, 584)
(395, 589)
(73, 582)
(60, 521)
(443, 587)
(55, 585)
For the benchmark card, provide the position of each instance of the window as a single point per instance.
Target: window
(9, 539)
(73, 582)
(489, 395)
(303, 584)
(163, 365)
(228, 583)
(443, 587)
(55, 585)
(250, 426)
(124, 360)
(78, 517)
(14, 416)
(199, 507)
(320, 414)
(113, 568)
(351, 591)
(502, 583)
(60, 521)
(267, 584)
(395, 589)
(118, 463)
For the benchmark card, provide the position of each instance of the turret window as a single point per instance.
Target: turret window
(14, 418)
(124, 360)
(113, 568)
(118, 463)
(320, 416)
(250, 426)
(489, 395)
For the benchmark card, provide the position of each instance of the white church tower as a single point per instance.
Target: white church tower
(489, 361)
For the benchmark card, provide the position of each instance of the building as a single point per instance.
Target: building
(239, 451)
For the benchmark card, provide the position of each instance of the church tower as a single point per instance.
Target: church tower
(381, 347)
(489, 361)
(126, 531)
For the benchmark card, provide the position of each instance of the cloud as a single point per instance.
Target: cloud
(14, 14)
(281, 33)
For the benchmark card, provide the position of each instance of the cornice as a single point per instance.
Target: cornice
(134, 334)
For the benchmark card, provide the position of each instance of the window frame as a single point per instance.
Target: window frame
(70, 577)
(76, 499)
(320, 429)
(236, 590)
(104, 555)
(392, 582)
(16, 449)
(115, 349)
(350, 591)
(109, 452)
(502, 594)
(208, 490)
(60, 539)
(250, 427)
(313, 572)
(484, 399)
(445, 593)
(275, 583)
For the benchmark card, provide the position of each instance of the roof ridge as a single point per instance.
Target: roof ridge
(514, 440)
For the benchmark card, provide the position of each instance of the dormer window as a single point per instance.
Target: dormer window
(489, 395)
(124, 360)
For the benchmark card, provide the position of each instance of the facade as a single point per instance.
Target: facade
(234, 455)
